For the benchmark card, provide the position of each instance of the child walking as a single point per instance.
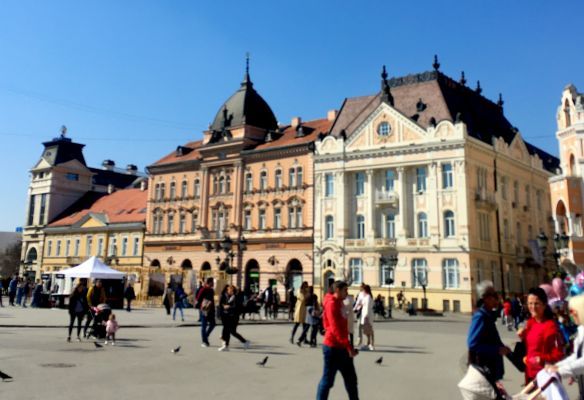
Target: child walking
(111, 328)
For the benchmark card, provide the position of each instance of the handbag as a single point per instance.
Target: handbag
(206, 305)
(517, 355)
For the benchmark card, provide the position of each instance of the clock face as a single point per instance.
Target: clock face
(384, 129)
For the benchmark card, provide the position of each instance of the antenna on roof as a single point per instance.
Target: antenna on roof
(462, 79)
(436, 64)
(500, 102)
(246, 78)
(63, 131)
(479, 89)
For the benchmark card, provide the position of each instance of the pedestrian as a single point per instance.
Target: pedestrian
(275, 304)
(350, 315)
(337, 351)
(129, 295)
(111, 327)
(573, 366)
(358, 308)
(366, 319)
(507, 314)
(291, 303)
(516, 307)
(268, 297)
(300, 310)
(543, 340)
(36, 294)
(20, 292)
(179, 296)
(312, 318)
(485, 347)
(167, 298)
(12, 288)
(230, 307)
(78, 308)
(95, 296)
(206, 303)
(400, 299)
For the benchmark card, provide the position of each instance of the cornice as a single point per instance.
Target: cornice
(177, 166)
(110, 228)
(277, 152)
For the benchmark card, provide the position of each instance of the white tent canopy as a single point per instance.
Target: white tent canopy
(92, 268)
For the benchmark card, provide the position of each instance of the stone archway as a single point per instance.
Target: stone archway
(293, 275)
(252, 276)
(561, 220)
(205, 270)
(31, 256)
(155, 263)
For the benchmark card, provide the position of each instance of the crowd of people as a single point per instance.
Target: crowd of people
(21, 292)
(548, 341)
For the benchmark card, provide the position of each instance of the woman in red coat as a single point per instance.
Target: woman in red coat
(542, 337)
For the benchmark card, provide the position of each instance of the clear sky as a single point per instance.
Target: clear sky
(134, 79)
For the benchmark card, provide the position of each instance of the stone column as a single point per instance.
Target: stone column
(370, 207)
(432, 202)
(402, 217)
(237, 182)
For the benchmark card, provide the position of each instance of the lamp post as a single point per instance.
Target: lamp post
(390, 265)
(542, 242)
(226, 246)
(561, 246)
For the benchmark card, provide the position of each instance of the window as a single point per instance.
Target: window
(172, 190)
(215, 184)
(484, 227)
(182, 223)
(480, 268)
(31, 209)
(356, 268)
(170, 222)
(247, 220)
(450, 274)
(157, 223)
(136, 247)
(387, 269)
(277, 218)
(538, 199)
(157, 192)
(518, 234)
(49, 247)
(359, 184)
(329, 227)
(506, 228)
(449, 225)
(294, 216)
(329, 185)
(76, 251)
(228, 184)
(360, 227)
(43, 209)
(527, 196)
(72, 177)
(419, 272)
(221, 184)
(99, 247)
(299, 177)
(88, 245)
(389, 180)
(390, 226)
(421, 179)
(113, 247)
(292, 177)
(162, 190)
(383, 129)
(504, 184)
(183, 190)
(481, 178)
(248, 182)
(422, 225)
(278, 179)
(194, 220)
(58, 253)
(263, 180)
(262, 219)
(516, 192)
(67, 247)
(124, 246)
(447, 176)
(197, 188)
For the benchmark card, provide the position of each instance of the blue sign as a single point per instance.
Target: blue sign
(18, 229)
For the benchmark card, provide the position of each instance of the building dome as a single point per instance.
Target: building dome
(245, 107)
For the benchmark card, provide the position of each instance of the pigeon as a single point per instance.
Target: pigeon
(175, 350)
(379, 361)
(97, 345)
(263, 362)
(4, 376)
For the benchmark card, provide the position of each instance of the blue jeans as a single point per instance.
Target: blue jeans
(337, 360)
(178, 305)
(207, 325)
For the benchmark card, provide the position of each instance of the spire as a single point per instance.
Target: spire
(436, 64)
(462, 79)
(246, 78)
(500, 102)
(479, 89)
(385, 90)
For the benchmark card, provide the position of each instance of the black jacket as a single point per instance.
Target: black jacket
(77, 296)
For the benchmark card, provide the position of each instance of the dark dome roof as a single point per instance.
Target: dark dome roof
(245, 107)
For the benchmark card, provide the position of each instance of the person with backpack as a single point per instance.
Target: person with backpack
(179, 297)
(206, 304)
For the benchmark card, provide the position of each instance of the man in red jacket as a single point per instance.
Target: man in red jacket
(336, 348)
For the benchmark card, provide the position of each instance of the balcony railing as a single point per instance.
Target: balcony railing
(386, 197)
(378, 243)
(485, 199)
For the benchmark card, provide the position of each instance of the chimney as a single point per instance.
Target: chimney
(143, 185)
(331, 115)
(131, 169)
(108, 165)
(110, 188)
(296, 121)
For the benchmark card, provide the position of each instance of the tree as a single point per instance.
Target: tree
(10, 260)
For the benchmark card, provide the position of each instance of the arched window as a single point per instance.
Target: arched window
(329, 227)
(228, 184)
(170, 222)
(299, 177)
(248, 182)
(183, 190)
(450, 273)
(360, 227)
(263, 180)
(390, 226)
(215, 184)
(221, 184)
(572, 169)
(197, 188)
(356, 268)
(419, 272)
(422, 225)
(157, 192)
(162, 190)
(182, 223)
(449, 225)
(292, 178)
(195, 220)
(278, 179)
(172, 190)
(567, 113)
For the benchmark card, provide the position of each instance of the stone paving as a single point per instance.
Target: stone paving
(423, 358)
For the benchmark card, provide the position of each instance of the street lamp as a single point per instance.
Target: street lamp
(388, 263)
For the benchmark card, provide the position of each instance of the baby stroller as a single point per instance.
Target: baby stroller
(478, 384)
(100, 316)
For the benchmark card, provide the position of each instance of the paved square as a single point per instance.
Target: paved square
(422, 359)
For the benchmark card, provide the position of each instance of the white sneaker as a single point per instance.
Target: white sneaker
(204, 345)
(247, 345)
(371, 348)
(105, 342)
(113, 343)
(223, 348)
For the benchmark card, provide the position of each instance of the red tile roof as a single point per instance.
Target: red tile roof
(287, 137)
(123, 206)
(173, 157)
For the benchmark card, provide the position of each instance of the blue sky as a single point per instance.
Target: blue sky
(133, 79)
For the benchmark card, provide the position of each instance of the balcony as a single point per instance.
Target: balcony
(377, 244)
(485, 199)
(383, 197)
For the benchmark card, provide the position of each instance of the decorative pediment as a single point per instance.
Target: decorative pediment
(92, 220)
(518, 150)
